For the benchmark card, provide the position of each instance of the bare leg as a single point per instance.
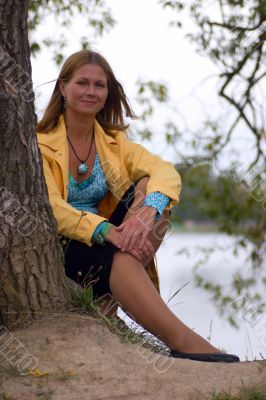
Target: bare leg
(133, 289)
(155, 237)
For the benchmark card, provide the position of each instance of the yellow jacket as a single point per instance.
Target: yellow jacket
(123, 163)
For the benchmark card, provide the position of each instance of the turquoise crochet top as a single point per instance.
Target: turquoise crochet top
(86, 196)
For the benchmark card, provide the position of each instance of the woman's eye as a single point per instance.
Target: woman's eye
(82, 83)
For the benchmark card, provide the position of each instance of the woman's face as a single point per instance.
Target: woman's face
(86, 91)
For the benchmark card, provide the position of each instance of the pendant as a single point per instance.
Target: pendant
(82, 169)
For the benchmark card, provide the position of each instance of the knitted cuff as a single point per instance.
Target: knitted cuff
(101, 232)
(157, 200)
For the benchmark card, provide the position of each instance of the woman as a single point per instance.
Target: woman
(112, 198)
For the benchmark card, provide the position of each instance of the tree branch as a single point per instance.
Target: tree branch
(234, 28)
(230, 77)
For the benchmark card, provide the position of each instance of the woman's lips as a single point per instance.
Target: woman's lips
(89, 102)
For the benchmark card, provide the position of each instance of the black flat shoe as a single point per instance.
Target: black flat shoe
(209, 357)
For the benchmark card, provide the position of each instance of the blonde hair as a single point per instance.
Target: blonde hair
(111, 116)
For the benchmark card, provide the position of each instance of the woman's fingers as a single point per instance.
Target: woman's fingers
(121, 227)
(143, 239)
(136, 237)
(126, 238)
(143, 254)
(148, 249)
(133, 233)
(135, 253)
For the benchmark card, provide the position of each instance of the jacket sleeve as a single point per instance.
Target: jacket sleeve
(163, 176)
(72, 223)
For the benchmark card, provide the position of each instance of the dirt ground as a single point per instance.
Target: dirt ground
(75, 357)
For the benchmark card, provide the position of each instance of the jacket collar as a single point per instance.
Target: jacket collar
(56, 138)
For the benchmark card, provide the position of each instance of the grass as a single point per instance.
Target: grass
(65, 375)
(82, 299)
(261, 365)
(246, 393)
(83, 303)
(47, 395)
(133, 334)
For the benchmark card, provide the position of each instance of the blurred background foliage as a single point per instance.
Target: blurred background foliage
(96, 14)
(231, 200)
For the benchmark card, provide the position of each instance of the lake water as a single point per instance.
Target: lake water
(193, 305)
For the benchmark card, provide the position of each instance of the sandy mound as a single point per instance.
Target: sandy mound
(80, 359)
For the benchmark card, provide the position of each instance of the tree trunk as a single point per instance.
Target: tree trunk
(32, 278)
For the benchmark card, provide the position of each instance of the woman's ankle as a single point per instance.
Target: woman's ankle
(193, 343)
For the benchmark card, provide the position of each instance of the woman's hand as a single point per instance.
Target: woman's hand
(135, 230)
(142, 254)
(113, 236)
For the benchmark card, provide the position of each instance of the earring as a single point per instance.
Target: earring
(65, 102)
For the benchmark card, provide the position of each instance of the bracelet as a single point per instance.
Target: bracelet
(103, 231)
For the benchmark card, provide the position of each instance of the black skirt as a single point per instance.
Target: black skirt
(91, 265)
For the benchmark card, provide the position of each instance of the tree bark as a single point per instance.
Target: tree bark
(32, 278)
